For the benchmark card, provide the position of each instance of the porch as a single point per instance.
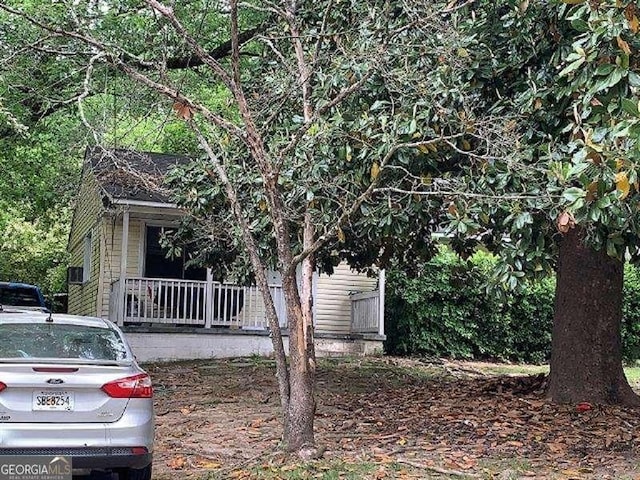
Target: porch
(171, 311)
(161, 302)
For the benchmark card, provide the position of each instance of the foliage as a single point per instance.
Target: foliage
(337, 156)
(631, 313)
(447, 310)
(566, 73)
(356, 128)
(40, 170)
(32, 252)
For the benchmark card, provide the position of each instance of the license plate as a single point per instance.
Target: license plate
(53, 400)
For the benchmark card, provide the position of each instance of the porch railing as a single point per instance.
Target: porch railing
(159, 301)
(191, 303)
(365, 312)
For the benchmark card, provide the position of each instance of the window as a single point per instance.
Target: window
(59, 340)
(75, 275)
(86, 265)
(20, 296)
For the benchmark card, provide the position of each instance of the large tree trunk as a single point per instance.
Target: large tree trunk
(586, 351)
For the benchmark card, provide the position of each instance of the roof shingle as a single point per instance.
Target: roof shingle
(129, 175)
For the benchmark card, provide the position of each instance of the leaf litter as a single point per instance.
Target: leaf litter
(411, 419)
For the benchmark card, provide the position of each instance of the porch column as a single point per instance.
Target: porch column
(123, 266)
(208, 299)
(381, 286)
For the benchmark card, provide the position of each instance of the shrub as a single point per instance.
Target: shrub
(631, 314)
(448, 311)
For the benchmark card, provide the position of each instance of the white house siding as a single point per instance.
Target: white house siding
(332, 301)
(86, 220)
(112, 239)
(253, 310)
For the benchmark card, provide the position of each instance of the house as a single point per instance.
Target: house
(169, 311)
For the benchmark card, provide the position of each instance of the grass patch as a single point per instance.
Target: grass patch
(632, 372)
(321, 469)
(510, 369)
(633, 375)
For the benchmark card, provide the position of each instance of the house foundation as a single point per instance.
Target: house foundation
(170, 344)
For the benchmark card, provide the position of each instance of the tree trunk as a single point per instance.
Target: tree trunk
(586, 350)
(300, 414)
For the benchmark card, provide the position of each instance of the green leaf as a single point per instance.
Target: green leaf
(580, 25)
(577, 169)
(615, 77)
(630, 106)
(573, 66)
(605, 69)
(574, 193)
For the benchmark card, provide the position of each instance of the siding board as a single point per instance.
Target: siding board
(332, 300)
(86, 220)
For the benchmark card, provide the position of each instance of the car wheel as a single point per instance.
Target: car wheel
(135, 473)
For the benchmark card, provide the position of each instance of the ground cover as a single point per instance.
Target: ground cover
(387, 418)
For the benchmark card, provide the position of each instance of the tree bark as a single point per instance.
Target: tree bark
(300, 414)
(586, 350)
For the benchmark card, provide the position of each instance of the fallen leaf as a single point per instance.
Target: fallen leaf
(177, 463)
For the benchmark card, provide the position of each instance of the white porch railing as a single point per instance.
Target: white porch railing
(191, 303)
(365, 312)
(160, 301)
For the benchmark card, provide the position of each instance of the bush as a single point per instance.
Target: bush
(448, 311)
(631, 314)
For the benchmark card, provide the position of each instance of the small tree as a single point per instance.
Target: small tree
(305, 132)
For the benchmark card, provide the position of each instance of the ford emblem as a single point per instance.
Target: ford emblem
(55, 381)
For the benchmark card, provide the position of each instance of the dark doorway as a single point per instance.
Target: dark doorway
(157, 265)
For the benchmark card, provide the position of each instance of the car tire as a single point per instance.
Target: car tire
(135, 473)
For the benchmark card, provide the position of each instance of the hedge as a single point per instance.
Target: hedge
(448, 311)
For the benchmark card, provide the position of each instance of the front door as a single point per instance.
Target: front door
(157, 265)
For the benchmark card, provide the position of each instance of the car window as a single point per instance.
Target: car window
(51, 340)
(20, 296)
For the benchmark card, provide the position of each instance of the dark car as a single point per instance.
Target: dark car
(22, 295)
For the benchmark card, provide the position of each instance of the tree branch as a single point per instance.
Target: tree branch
(364, 196)
(221, 51)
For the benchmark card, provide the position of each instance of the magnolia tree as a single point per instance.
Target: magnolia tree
(567, 73)
(309, 120)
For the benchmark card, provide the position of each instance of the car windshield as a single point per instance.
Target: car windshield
(20, 296)
(50, 340)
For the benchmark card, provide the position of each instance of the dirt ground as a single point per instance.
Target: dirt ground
(409, 419)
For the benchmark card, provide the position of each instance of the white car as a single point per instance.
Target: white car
(70, 386)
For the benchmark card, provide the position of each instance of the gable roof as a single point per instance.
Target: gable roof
(127, 175)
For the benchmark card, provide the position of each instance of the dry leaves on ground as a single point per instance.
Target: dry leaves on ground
(223, 416)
